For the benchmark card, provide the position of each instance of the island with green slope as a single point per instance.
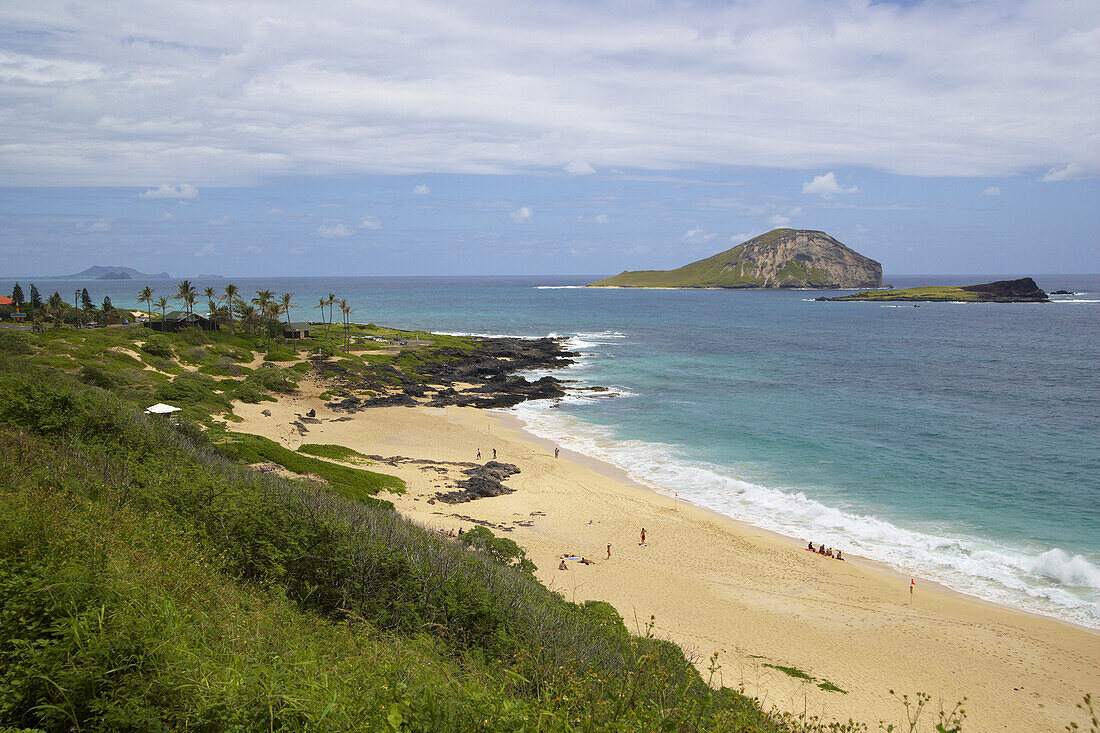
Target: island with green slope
(781, 258)
(1022, 290)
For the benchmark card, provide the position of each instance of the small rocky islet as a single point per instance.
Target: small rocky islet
(1021, 290)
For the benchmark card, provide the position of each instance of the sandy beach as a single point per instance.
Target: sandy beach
(715, 585)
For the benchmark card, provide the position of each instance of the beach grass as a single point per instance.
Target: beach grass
(351, 483)
(334, 452)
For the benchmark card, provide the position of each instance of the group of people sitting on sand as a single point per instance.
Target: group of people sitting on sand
(826, 551)
(450, 532)
(568, 556)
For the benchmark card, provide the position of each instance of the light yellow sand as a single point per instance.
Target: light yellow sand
(716, 585)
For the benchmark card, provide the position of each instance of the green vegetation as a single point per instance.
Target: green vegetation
(830, 687)
(729, 269)
(784, 258)
(501, 549)
(799, 674)
(941, 293)
(147, 584)
(334, 452)
(352, 483)
(790, 671)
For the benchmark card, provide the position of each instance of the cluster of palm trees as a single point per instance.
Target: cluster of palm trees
(258, 316)
(345, 312)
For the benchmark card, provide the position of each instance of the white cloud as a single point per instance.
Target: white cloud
(697, 236)
(207, 249)
(166, 216)
(580, 168)
(99, 94)
(334, 231)
(992, 191)
(371, 223)
(522, 215)
(1069, 172)
(778, 220)
(253, 250)
(742, 237)
(98, 225)
(219, 221)
(826, 186)
(183, 191)
(602, 219)
(421, 190)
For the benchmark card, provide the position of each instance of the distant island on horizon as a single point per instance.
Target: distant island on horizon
(101, 272)
(781, 258)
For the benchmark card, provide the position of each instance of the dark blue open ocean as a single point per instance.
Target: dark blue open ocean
(959, 442)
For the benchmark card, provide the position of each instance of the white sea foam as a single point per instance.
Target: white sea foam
(1051, 581)
(560, 287)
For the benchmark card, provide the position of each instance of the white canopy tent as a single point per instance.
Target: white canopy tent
(167, 410)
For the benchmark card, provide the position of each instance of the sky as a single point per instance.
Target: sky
(555, 137)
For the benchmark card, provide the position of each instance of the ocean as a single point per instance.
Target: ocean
(956, 442)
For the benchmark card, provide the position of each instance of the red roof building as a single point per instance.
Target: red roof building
(6, 301)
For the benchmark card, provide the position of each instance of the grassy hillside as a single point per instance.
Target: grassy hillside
(728, 269)
(148, 582)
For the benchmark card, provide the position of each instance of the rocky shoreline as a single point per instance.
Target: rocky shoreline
(484, 377)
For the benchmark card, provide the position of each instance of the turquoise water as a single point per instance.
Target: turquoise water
(959, 442)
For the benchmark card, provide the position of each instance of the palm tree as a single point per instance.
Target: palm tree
(185, 291)
(285, 306)
(55, 306)
(248, 314)
(265, 301)
(330, 301)
(162, 303)
(230, 302)
(146, 296)
(209, 294)
(321, 303)
(189, 301)
(345, 310)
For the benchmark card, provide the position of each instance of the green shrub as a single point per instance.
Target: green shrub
(500, 549)
(157, 345)
(194, 336)
(93, 375)
(191, 388)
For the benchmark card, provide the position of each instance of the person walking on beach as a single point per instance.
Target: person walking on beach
(556, 450)
(494, 454)
(642, 543)
(479, 454)
(608, 550)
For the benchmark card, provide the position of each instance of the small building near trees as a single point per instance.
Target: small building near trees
(296, 331)
(179, 320)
